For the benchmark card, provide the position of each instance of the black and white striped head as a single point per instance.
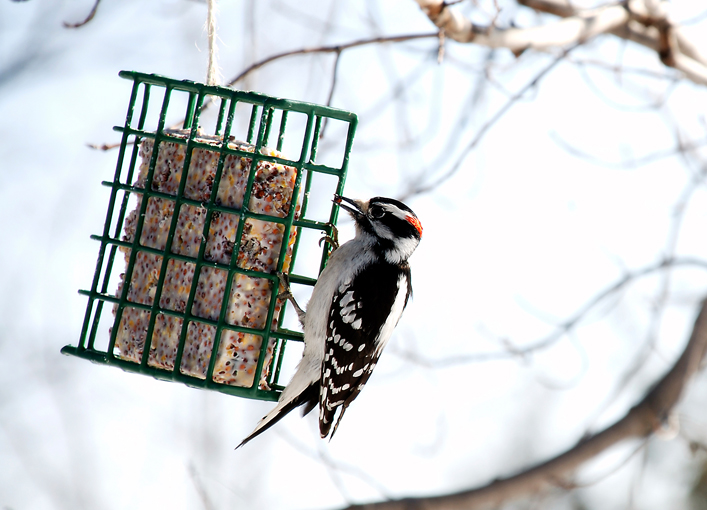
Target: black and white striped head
(394, 228)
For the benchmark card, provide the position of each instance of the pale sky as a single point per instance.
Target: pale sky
(519, 240)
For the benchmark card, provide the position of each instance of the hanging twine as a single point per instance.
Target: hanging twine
(213, 73)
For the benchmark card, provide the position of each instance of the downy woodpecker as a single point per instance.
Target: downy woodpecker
(355, 305)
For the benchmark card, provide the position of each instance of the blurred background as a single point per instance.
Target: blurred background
(552, 188)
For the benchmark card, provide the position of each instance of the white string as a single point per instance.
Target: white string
(213, 73)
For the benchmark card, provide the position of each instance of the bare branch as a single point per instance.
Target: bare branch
(633, 163)
(633, 31)
(105, 146)
(641, 421)
(632, 20)
(616, 286)
(571, 30)
(661, 299)
(417, 188)
(694, 70)
(335, 74)
(335, 466)
(200, 489)
(336, 48)
(514, 351)
(623, 69)
(88, 18)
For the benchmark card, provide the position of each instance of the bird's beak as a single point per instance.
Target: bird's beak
(355, 208)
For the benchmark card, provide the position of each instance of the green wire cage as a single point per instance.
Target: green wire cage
(205, 220)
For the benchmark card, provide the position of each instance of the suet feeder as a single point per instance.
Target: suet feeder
(205, 219)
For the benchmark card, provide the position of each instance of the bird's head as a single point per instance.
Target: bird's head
(391, 225)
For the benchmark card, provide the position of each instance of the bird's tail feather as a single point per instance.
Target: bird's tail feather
(309, 396)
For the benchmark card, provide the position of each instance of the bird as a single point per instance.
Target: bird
(355, 305)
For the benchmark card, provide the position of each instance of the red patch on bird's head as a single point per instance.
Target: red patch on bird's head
(412, 220)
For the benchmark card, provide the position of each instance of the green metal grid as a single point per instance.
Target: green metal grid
(263, 113)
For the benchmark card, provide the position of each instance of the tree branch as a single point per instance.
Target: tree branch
(627, 163)
(634, 20)
(642, 420)
(90, 16)
(571, 30)
(562, 329)
(419, 188)
(336, 48)
(639, 32)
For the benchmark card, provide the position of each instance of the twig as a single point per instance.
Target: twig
(655, 104)
(336, 48)
(200, 489)
(660, 300)
(421, 189)
(334, 76)
(322, 456)
(621, 69)
(452, 361)
(440, 47)
(634, 163)
(562, 329)
(105, 146)
(88, 18)
(618, 285)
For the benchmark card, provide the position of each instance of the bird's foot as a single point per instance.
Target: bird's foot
(287, 294)
(332, 239)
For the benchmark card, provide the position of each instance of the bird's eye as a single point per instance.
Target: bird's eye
(376, 212)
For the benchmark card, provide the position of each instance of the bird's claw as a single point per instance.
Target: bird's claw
(332, 239)
(287, 295)
(284, 282)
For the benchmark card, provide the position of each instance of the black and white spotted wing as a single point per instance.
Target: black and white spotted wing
(360, 323)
